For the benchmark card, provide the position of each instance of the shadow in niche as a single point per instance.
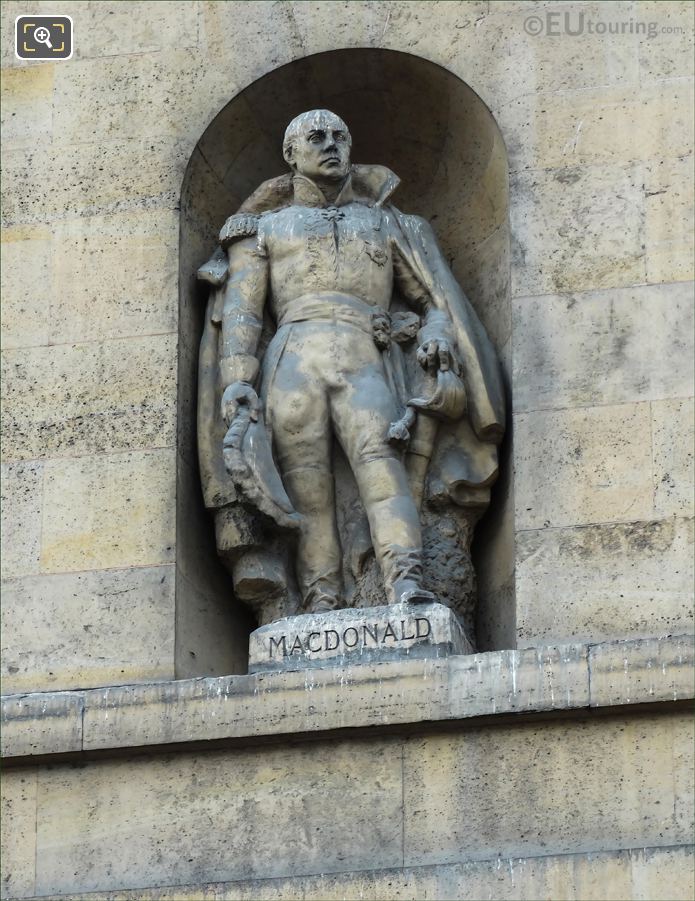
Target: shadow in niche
(439, 137)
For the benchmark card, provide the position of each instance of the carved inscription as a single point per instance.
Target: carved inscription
(351, 637)
(364, 636)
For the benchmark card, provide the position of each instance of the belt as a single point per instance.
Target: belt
(346, 309)
(331, 306)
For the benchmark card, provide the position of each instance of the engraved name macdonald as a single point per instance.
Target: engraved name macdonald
(366, 636)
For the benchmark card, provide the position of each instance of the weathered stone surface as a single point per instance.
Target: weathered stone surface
(345, 637)
(80, 630)
(210, 629)
(86, 398)
(319, 699)
(148, 820)
(212, 626)
(409, 692)
(109, 511)
(682, 766)
(179, 92)
(673, 438)
(496, 623)
(470, 42)
(450, 783)
(26, 271)
(671, 54)
(586, 465)
(579, 350)
(251, 27)
(88, 179)
(616, 580)
(22, 489)
(27, 105)
(669, 226)
(660, 875)
(580, 62)
(266, 704)
(166, 26)
(114, 277)
(109, 31)
(663, 670)
(496, 559)
(206, 202)
(485, 278)
(577, 229)
(642, 874)
(31, 722)
(455, 802)
(18, 835)
(197, 554)
(538, 678)
(601, 126)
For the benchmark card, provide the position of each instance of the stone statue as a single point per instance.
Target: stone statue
(350, 402)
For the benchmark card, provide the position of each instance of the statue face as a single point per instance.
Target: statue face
(321, 148)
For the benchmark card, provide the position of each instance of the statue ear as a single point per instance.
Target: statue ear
(287, 152)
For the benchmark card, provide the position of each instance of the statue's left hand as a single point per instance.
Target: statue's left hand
(438, 355)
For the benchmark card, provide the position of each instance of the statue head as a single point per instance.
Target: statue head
(317, 144)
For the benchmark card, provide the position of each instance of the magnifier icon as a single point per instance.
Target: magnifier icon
(43, 36)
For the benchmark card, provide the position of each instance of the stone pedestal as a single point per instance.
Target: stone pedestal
(353, 636)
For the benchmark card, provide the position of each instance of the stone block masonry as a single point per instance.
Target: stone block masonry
(562, 769)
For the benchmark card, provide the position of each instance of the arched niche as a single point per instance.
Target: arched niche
(440, 138)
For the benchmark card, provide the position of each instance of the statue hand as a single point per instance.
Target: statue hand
(438, 356)
(399, 431)
(236, 395)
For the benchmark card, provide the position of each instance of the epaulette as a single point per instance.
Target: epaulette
(214, 272)
(240, 225)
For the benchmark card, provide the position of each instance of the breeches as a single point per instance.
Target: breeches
(323, 380)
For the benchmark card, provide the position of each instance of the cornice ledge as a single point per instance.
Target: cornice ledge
(548, 680)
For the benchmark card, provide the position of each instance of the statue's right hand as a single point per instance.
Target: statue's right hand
(239, 394)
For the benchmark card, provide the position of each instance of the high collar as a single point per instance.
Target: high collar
(307, 192)
(372, 185)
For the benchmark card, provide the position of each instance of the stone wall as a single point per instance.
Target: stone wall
(467, 777)
(105, 584)
(415, 802)
(598, 131)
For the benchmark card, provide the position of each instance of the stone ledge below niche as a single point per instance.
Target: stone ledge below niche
(545, 680)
